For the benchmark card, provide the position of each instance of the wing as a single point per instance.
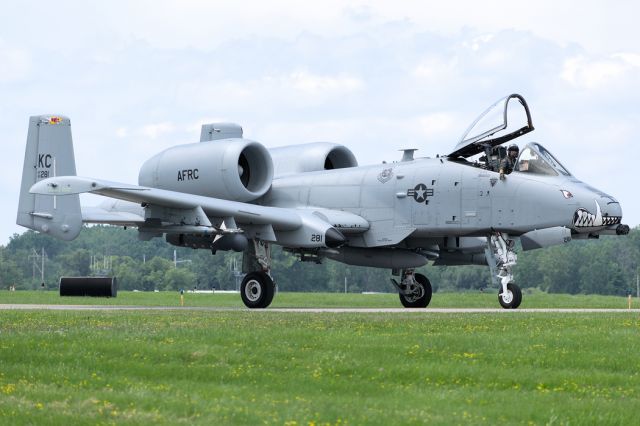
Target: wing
(162, 211)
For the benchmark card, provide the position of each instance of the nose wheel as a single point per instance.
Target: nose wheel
(511, 298)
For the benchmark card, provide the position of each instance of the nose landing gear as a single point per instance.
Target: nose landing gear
(511, 298)
(501, 259)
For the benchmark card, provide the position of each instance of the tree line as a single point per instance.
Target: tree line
(606, 266)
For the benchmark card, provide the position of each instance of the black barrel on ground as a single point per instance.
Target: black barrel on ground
(89, 286)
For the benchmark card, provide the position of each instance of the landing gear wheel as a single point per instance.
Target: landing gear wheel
(257, 290)
(420, 295)
(512, 298)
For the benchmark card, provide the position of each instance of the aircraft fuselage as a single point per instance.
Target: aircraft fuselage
(436, 197)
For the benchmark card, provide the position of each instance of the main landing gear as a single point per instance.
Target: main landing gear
(414, 289)
(257, 288)
(501, 258)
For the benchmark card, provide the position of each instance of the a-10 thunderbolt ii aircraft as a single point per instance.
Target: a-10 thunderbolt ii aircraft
(230, 193)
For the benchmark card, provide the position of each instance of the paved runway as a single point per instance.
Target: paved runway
(35, 307)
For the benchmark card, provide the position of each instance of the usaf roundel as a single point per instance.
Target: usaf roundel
(420, 193)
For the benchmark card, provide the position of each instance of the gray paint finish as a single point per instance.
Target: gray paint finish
(294, 195)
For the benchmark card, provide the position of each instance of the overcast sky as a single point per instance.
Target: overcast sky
(136, 77)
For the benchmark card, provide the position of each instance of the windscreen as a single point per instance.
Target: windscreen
(535, 159)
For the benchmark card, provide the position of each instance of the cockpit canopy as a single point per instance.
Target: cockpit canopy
(535, 159)
(503, 121)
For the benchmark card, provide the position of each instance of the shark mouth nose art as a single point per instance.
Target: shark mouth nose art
(582, 218)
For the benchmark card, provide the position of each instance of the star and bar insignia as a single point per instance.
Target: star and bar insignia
(420, 193)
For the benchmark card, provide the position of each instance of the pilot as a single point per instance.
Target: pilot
(507, 163)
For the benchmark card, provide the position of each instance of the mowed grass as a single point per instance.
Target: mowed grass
(477, 299)
(256, 367)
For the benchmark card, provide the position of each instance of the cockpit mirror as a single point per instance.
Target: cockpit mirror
(503, 121)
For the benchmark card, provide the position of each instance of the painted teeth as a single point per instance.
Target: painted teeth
(583, 219)
(611, 220)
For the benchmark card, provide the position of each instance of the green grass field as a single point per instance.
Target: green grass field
(256, 367)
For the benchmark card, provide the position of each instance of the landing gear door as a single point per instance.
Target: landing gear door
(503, 121)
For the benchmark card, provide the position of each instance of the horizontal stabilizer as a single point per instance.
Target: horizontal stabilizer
(69, 185)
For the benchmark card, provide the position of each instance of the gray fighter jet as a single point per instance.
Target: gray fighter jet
(230, 193)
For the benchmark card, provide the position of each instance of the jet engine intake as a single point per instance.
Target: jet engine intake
(230, 169)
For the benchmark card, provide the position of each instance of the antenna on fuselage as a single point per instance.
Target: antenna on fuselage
(407, 154)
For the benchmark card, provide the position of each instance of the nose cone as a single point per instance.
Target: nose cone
(612, 209)
(596, 210)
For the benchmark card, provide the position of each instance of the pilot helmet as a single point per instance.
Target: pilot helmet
(513, 147)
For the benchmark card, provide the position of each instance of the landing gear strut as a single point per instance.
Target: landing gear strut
(257, 288)
(414, 289)
(501, 259)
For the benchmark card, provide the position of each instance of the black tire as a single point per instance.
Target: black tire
(513, 300)
(272, 293)
(425, 291)
(257, 290)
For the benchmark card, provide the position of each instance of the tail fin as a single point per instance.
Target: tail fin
(49, 153)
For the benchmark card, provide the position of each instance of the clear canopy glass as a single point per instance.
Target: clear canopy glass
(535, 159)
(506, 119)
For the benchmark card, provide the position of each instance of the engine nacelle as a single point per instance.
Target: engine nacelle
(231, 169)
(311, 157)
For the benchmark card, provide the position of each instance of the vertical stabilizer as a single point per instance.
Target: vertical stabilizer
(49, 153)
